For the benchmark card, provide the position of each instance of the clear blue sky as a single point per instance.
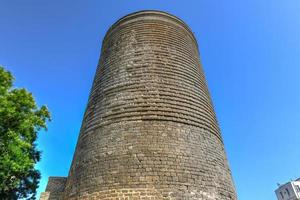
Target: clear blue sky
(250, 52)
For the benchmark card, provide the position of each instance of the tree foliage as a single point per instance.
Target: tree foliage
(20, 121)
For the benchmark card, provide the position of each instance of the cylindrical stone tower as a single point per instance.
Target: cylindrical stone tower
(149, 130)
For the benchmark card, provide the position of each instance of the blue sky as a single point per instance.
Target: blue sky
(250, 51)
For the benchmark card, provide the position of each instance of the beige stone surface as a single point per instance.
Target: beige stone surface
(149, 130)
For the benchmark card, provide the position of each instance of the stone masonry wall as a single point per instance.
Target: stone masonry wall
(54, 189)
(149, 130)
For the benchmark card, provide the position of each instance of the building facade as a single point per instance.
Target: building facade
(149, 130)
(289, 191)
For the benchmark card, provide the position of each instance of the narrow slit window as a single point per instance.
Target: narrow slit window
(287, 191)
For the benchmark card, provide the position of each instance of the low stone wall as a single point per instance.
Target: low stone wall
(54, 189)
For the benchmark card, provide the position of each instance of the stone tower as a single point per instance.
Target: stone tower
(149, 130)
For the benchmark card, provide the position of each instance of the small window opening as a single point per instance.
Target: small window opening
(287, 191)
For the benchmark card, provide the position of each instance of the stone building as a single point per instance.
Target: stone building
(289, 190)
(149, 130)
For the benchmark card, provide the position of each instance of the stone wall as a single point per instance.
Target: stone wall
(149, 130)
(54, 189)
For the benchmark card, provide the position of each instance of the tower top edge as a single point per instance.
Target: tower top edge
(156, 13)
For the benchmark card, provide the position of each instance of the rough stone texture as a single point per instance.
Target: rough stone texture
(149, 130)
(54, 189)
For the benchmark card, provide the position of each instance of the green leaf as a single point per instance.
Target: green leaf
(20, 121)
